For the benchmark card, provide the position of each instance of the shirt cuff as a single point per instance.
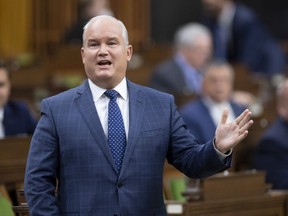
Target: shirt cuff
(222, 156)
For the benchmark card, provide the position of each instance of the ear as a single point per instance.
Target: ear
(129, 52)
(82, 54)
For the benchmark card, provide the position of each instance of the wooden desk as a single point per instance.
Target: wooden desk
(271, 204)
(235, 194)
(21, 210)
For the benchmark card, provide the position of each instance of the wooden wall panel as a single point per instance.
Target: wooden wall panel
(50, 20)
(38, 26)
(15, 27)
(136, 17)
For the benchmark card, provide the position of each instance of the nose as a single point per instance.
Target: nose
(103, 49)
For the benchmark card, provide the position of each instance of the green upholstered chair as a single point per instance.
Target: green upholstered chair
(5, 207)
(177, 187)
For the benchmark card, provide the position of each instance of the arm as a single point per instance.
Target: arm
(194, 159)
(42, 167)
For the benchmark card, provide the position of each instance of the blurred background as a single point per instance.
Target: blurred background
(32, 44)
(43, 62)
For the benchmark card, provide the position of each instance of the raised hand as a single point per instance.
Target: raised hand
(228, 135)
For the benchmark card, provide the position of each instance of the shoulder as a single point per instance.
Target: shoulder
(16, 105)
(238, 108)
(167, 65)
(148, 92)
(278, 129)
(196, 104)
(197, 107)
(70, 94)
(245, 17)
(244, 12)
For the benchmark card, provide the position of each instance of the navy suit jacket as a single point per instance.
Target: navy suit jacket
(69, 145)
(18, 119)
(168, 77)
(251, 43)
(198, 119)
(271, 154)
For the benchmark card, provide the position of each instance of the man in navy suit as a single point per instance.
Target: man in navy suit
(240, 37)
(70, 155)
(271, 154)
(15, 116)
(203, 114)
(181, 75)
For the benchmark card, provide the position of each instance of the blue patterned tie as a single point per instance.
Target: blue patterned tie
(116, 130)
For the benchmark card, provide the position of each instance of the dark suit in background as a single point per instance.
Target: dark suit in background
(18, 119)
(181, 75)
(168, 77)
(248, 42)
(272, 154)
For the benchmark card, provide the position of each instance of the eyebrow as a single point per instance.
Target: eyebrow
(109, 38)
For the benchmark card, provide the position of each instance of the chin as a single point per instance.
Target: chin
(104, 74)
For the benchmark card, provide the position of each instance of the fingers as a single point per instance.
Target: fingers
(242, 135)
(245, 127)
(243, 118)
(244, 123)
(224, 116)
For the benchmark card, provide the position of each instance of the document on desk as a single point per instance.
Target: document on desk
(174, 208)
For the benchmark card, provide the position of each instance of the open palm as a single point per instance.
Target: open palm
(228, 135)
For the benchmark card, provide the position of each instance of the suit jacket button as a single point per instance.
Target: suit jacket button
(119, 185)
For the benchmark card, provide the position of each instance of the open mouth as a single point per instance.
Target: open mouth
(104, 62)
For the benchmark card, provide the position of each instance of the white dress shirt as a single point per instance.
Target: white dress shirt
(2, 130)
(101, 102)
(216, 110)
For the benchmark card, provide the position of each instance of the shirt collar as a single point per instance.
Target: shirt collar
(97, 92)
(210, 103)
(181, 61)
(1, 114)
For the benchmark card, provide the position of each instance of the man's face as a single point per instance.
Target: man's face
(197, 55)
(4, 87)
(218, 83)
(104, 53)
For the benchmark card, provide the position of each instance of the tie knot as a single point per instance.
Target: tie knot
(111, 94)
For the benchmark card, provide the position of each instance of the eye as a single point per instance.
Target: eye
(111, 43)
(92, 44)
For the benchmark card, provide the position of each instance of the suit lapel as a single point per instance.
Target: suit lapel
(136, 113)
(86, 107)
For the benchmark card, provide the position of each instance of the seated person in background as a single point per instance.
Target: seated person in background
(15, 116)
(88, 9)
(203, 114)
(15, 120)
(181, 75)
(271, 154)
(240, 37)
